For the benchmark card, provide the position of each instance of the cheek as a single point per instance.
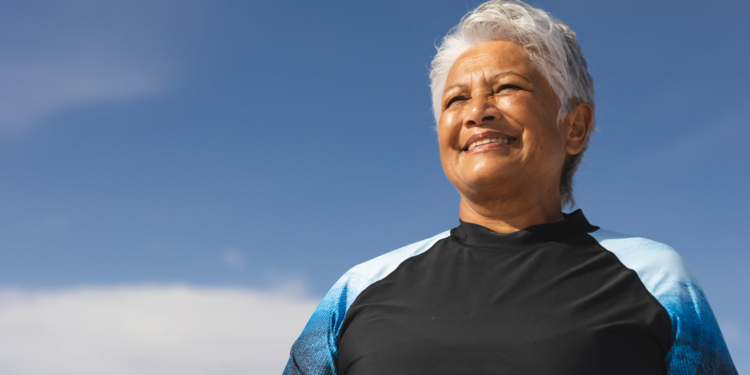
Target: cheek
(447, 151)
(538, 121)
(448, 131)
(521, 109)
(448, 135)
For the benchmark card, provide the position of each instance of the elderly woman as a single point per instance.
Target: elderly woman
(518, 287)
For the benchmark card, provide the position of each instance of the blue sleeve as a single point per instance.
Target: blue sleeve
(697, 343)
(698, 346)
(315, 351)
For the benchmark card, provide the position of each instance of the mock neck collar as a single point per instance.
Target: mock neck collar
(476, 235)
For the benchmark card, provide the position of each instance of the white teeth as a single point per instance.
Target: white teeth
(489, 140)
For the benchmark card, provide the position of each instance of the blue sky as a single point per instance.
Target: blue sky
(267, 146)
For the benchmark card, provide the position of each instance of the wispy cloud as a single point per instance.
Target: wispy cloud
(726, 131)
(75, 54)
(233, 258)
(149, 330)
(31, 90)
(733, 332)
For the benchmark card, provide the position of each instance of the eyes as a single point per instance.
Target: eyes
(459, 99)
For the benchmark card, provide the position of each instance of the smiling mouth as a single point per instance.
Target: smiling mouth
(497, 140)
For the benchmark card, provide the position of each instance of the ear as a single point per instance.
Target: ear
(578, 123)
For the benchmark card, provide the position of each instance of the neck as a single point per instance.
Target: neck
(511, 215)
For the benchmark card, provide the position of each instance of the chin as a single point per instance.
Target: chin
(488, 178)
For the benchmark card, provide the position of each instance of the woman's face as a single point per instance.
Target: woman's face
(497, 130)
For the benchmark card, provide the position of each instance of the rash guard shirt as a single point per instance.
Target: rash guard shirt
(558, 298)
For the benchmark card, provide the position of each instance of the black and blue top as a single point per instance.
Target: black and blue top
(559, 298)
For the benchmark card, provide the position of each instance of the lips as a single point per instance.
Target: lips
(485, 138)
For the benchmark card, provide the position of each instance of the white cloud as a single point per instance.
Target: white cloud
(149, 330)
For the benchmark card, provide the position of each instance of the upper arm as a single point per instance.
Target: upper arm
(316, 350)
(698, 346)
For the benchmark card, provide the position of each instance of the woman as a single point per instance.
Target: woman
(518, 287)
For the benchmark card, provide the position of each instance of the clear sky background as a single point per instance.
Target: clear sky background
(182, 181)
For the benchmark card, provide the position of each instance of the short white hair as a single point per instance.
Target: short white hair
(550, 46)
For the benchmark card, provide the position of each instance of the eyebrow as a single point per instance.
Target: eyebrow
(496, 76)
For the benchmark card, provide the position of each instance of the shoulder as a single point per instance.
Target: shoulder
(659, 266)
(364, 274)
(316, 349)
(358, 278)
(380, 267)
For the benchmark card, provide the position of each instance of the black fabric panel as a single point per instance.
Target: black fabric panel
(553, 306)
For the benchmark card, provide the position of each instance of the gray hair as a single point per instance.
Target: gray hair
(551, 48)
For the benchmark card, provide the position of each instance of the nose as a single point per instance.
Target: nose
(480, 111)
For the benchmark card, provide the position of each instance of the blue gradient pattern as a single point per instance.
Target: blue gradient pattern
(316, 350)
(698, 346)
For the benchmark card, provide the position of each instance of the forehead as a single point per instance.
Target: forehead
(490, 58)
